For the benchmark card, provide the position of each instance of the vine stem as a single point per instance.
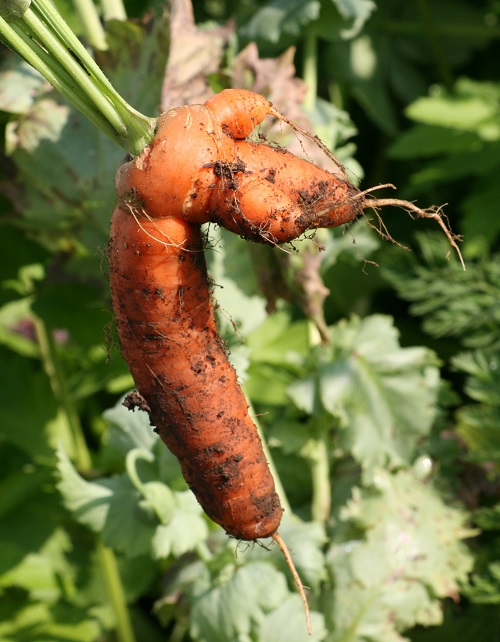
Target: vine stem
(45, 41)
(116, 594)
(317, 453)
(113, 10)
(320, 473)
(310, 64)
(80, 453)
(73, 435)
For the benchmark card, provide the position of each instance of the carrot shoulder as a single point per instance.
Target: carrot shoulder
(169, 339)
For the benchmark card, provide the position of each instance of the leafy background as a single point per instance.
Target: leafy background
(385, 443)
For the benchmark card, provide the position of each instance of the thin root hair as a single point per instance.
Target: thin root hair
(435, 213)
(274, 112)
(167, 243)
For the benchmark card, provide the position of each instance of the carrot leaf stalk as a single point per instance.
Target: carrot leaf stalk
(37, 33)
(298, 582)
(94, 31)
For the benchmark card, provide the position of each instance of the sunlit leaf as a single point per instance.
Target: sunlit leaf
(411, 556)
(382, 395)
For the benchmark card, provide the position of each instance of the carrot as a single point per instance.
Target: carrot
(199, 169)
(169, 339)
(168, 335)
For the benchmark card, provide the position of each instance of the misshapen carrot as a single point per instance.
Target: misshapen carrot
(169, 339)
(198, 168)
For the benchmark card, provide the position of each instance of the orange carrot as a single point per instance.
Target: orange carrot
(169, 339)
(199, 169)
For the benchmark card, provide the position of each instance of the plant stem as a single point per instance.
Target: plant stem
(46, 42)
(320, 474)
(91, 23)
(277, 481)
(74, 436)
(318, 455)
(113, 10)
(131, 466)
(309, 73)
(114, 587)
(83, 461)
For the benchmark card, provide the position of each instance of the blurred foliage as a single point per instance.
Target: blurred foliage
(386, 442)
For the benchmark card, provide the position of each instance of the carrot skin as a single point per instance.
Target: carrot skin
(167, 328)
(238, 111)
(284, 196)
(174, 173)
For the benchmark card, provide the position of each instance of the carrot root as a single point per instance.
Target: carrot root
(432, 212)
(298, 582)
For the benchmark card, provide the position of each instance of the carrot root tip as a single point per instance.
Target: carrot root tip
(298, 582)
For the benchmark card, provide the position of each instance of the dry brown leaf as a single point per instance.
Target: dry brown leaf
(275, 79)
(193, 56)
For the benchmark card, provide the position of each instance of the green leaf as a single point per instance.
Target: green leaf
(34, 559)
(426, 141)
(279, 342)
(280, 17)
(19, 84)
(485, 589)
(383, 396)
(467, 308)
(411, 556)
(277, 349)
(45, 622)
(40, 572)
(287, 624)
(472, 107)
(355, 13)
(107, 506)
(161, 499)
(129, 429)
(186, 529)
(232, 610)
(35, 426)
(240, 303)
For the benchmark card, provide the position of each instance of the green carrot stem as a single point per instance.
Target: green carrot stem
(46, 42)
(310, 66)
(94, 31)
(113, 10)
(114, 588)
